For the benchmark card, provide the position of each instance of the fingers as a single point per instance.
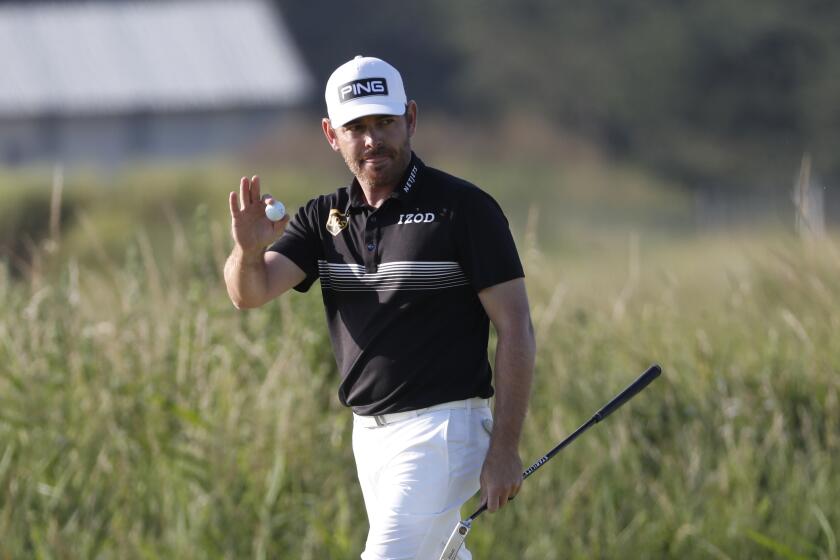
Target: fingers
(499, 499)
(496, 500)
(255, 189)
(493, 504)
(495, 497)
(249, 192)
(280, 225)
(233, 201)
(244, 193)
(490, 498)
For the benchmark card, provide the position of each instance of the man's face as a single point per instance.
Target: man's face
(376, 148)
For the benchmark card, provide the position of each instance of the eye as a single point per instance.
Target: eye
(386, 120)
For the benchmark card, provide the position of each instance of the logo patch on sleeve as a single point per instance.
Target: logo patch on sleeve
(362, 88)
(336, 222)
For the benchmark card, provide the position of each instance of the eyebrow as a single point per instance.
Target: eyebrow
(359, 120)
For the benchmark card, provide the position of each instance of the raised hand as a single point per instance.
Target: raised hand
(252, 231)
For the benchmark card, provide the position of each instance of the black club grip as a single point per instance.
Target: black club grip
(631, 391)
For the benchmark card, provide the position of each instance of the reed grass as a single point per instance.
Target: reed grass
(142, 416)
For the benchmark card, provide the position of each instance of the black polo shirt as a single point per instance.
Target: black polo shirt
(400, 285)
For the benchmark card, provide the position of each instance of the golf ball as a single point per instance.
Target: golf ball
(275, 211)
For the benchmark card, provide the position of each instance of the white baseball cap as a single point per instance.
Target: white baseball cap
(364, 86)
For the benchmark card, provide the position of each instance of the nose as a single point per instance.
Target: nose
(373, 138)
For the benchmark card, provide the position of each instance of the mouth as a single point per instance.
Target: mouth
(376, 159)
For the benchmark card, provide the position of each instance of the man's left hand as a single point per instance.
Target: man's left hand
(501, 477)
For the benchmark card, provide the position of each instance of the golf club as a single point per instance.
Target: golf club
(456, 540)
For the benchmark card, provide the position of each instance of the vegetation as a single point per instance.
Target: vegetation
(713, 93)
(142, 416)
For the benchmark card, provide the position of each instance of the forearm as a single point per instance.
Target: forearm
(246, 278)
(515, 356)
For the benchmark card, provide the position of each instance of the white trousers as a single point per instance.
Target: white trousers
(415, 475)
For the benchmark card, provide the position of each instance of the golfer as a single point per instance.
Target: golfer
(414, 264)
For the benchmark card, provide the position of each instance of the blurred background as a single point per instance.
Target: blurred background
(670, 171)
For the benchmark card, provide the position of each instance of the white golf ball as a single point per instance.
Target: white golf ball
(275, 211)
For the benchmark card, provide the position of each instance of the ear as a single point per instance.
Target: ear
(411, 117)
(329, 132)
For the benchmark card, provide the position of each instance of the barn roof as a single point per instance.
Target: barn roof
(99, 57)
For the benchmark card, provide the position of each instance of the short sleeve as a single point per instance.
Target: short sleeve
(486, 250)
(301, 243)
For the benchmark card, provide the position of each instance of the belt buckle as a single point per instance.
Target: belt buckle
(380, 420)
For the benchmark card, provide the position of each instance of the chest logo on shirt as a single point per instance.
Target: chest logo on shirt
(418, 218)
(336, 222)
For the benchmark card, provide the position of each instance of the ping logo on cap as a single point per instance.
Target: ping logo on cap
(362, 88)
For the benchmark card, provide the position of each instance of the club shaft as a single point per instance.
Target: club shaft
(632, 390)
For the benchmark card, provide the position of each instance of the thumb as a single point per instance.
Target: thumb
(280, 225)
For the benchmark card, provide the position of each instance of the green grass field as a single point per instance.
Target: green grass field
(142, 416)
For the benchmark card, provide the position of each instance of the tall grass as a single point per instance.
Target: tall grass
(141, 416)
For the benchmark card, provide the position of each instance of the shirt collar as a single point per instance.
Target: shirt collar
(407, 187)
(405, 191)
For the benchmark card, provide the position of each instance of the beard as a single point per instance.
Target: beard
(384, 174)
